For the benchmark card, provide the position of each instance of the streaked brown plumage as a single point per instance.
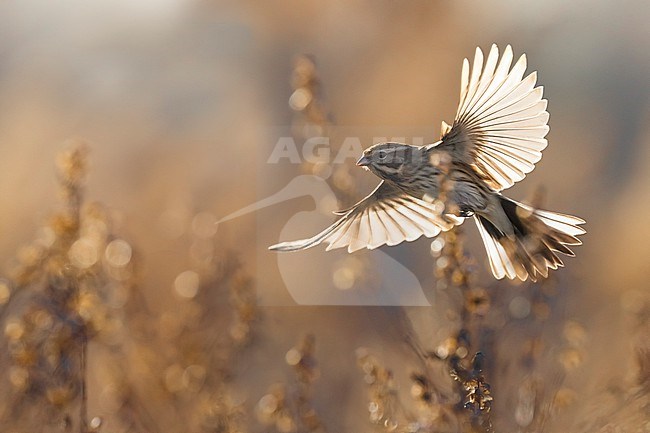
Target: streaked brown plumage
(495, 140)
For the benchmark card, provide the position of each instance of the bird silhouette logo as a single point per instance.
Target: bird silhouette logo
(314, 279)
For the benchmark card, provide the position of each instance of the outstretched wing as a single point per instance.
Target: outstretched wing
(387, 216)
(501, 121)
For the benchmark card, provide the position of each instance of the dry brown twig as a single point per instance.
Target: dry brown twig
(64, 284)
(75, 284)
(289, 408)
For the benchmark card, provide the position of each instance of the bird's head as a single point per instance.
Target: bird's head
(388, 160)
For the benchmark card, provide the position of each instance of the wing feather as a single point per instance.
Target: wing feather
(342, 236)
(474, 80)
(394, 232)
(525, 94)
(387, 216)
(501, 122)
(415, 215)
(353, 235)
(486, 76)
(365, 233)
(409, 227)
(535, 109)
(378, 229)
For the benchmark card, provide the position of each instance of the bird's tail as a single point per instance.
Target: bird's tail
(528, 248)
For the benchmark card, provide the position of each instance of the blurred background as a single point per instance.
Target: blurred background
(180, 102)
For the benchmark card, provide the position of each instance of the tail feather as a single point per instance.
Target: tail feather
(529, 248)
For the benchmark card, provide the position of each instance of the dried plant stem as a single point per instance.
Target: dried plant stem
(83, 409)
(465, 349)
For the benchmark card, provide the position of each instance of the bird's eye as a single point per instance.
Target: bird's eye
(382, 154)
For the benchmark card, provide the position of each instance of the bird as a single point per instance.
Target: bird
(496, 138)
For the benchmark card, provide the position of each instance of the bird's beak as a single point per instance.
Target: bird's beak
(363, 161)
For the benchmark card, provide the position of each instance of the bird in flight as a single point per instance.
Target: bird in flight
(496, 139)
